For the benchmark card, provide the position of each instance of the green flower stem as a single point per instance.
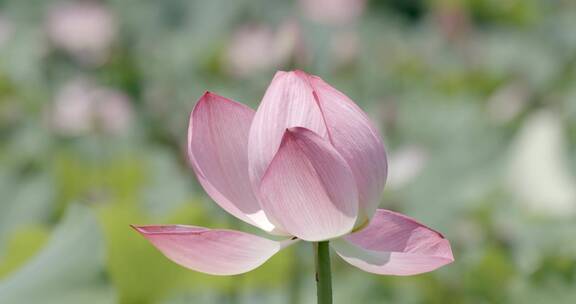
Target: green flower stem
(323, 275)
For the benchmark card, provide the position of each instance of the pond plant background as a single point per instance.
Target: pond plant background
(475, 99)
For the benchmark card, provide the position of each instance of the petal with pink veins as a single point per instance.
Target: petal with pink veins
(296, 99)
(217, 148)
(357, 140)
(217, 252)
(309, 190)
(288, 102)
(394, 244)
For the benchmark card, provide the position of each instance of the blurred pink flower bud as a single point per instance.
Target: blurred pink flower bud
(113, 111)
(255, 48)
(71, 113)
(86, 30)
(81, 107)
(250, 49)
(333, 12)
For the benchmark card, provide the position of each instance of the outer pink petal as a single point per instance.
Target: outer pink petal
(217, 143)
(395, 244)
(309, 190)
(288, 102)
(217, 252)
(357, 140)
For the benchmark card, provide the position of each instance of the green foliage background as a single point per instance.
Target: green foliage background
(463, 83)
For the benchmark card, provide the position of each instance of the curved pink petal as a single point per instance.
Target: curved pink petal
(357, 140)
(217, 252)
(288, 102)
(217, 143)
(309, 190)
(395, 244)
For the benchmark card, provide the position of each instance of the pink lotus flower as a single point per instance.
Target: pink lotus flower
(307, 165)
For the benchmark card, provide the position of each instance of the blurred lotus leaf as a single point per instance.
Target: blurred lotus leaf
(71, 266)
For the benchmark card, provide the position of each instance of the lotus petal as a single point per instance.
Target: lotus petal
(309, 190)
(217, 143)
(395, 244)
(217, 252)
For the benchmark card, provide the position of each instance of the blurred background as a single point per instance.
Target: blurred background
(476, 101)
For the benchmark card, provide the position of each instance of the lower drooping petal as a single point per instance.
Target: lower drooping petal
(394, 244)
(309, 190)
(217, 252)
